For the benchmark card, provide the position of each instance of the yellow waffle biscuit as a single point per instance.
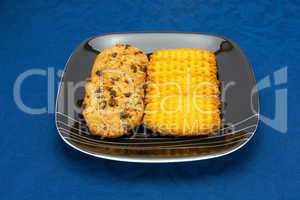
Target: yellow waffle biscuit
(183, 115)
(182, 96)
(188, 54)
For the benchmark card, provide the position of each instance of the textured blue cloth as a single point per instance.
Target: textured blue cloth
(36, 164)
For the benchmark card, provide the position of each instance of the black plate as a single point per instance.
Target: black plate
(239, 102)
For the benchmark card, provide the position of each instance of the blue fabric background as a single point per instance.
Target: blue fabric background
(36, 164)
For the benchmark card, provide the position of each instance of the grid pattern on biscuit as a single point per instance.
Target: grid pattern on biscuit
(182, 93)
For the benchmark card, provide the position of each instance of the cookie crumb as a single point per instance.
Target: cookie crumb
(102, 104)
(133, 68)
(127, 46)
(112, 102)
(127, 94)
(99, 73)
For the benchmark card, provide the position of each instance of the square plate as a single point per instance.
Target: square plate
(240, 107)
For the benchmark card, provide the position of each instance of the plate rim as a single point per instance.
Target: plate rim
(156, 160)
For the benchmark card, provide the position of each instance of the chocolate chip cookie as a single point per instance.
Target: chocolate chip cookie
(114, 94)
